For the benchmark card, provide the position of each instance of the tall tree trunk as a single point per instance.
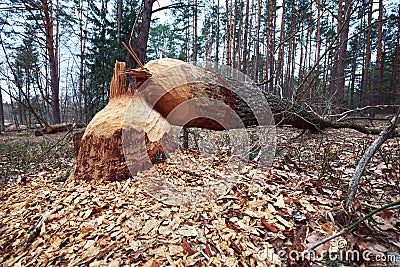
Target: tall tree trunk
(301, 58)
(271, 43)
(245, 36)
(143, 35)
(257, 44)
(1, 112)
(395, 81)
(119, 22)
(82, 45)
(195, 31)
(233, 34)
(217, 37)
(228, 34)
(237, 57)
(318, 34)
(353, 73)
(344, 33)
(396, 66)
(366, 70)
(280, 63)
(377, 83)
(52, 52)
(250, 37)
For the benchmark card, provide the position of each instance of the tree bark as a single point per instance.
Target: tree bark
(395, 82)
(52, 53)
(396, 68)
(143, 35)
(195, 31)
(257, 44)
(187, 82)
(377, 83)
(343, 31)
(245, 36)
(227, 35)
(366, 69)
(271, 43)
(280, 63)
(353, 74)
(217, 37)
(2, 128)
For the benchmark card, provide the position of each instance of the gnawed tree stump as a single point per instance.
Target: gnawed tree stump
(101, 155)
(100, 152)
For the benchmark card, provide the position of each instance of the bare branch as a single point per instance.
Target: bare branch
(354, 225)
(383, 136)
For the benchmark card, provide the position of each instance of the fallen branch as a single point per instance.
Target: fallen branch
(343, 114)
(354, 225)
(36, 231)
(383, 136)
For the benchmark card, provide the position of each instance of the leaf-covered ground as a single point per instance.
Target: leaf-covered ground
(118, 224)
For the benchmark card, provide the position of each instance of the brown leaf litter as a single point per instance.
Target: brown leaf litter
(43, 223)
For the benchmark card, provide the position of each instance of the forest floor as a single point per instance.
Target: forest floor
(45, 222)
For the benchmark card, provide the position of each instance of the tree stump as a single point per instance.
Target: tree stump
(100, 153)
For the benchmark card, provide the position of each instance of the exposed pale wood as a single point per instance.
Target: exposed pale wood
(101, 155)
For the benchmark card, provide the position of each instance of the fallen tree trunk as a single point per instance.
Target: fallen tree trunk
(56, 128)
(177, 87)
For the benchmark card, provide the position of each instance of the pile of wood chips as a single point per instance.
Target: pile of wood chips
(45, 223)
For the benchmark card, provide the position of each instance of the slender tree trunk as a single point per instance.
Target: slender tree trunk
(2, 128)
(250, 37)
(228, 34)
(119, 22)
(195, 31)
(333, 87)
(82, 44)
(238, 56)
(257, 44)
(301, 41)
(233, 35)
(340, 81)
(353, 74)
(287, 92)
(377, 83)
(395, 81)
(217, 37)
(318, 34)
(52, 53)
(280, 63)
(187, 35)
(366, 70)
(396, 66)
(245, 36)
(143, 35)
(271, 41)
